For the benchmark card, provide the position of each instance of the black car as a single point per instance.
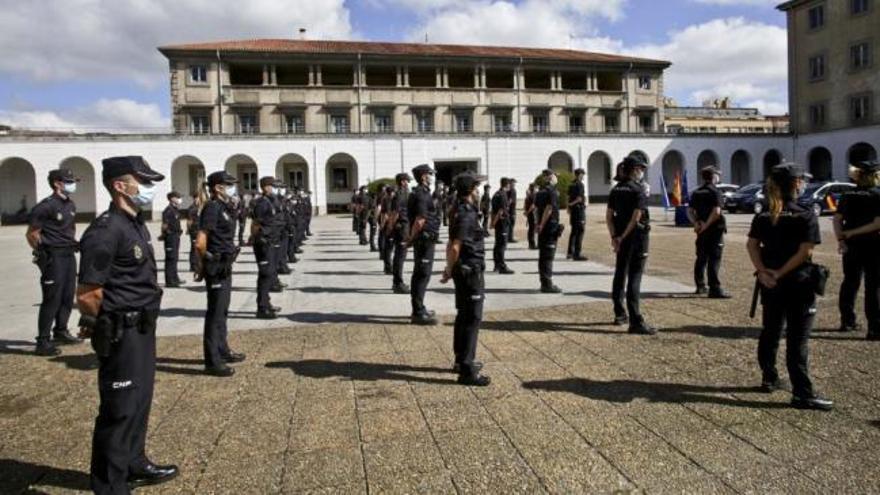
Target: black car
(747, 199)
(822, 197)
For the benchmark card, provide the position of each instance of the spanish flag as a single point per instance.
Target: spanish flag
(676, 189)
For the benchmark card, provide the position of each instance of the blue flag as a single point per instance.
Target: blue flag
(666, 203)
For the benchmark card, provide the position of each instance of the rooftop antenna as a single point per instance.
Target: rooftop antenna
(426, 38)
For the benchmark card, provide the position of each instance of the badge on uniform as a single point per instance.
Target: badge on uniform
(59, 217)
(138, 252)
(225, 216)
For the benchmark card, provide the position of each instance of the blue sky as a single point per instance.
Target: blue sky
(99, 69)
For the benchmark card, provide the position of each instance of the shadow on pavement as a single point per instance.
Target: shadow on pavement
(623, 391)
(550, 326)
(20, 347)
(81, 362)
(319, 368)
(348, 318)
(602, 294)
(18, 476)
(719, 332)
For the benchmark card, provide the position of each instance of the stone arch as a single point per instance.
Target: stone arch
(673, 164)
(560, 162)
(821, 164)
(244, 168)
(707, 158)
(293, 169)
(187, 174)
(860, 152)
(600, 172)
(18, 190)
(741, 168)
(85, 196)
(771, 159)
(342, 178)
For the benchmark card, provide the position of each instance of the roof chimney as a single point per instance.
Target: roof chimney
(302, 33)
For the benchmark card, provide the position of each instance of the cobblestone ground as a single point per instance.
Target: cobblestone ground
(576, 404)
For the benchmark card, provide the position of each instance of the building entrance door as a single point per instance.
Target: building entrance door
(446, 170)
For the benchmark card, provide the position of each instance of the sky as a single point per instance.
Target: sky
(92, 65)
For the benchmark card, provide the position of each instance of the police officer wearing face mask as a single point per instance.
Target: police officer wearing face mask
(266, 235)
(857, 227)
(119, 299)
(192, 227)
(511, 213)
(577, 211)
(485, 209)
(501, 223)
(399, 223)
(386, 247)
(628, 225)
(51, 234)
(217, 253)
(710, 226)
(370, 205)
(549, 230)
(465, 265)
(530, 211)
(171, 232)
(423, 234)
(282, 225)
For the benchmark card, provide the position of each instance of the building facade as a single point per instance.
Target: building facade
(714, 120)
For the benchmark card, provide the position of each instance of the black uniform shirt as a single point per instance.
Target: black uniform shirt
(264, 213)
(625, 198)
(192, 213)
(511, 200)
(548, 197)
(499, 203)
(218, 221)
(780, 242)
(575, 191)
(118, 257)
(704, 200)
(399, 203)
(171, 218)
(467, 229)
(55, 217)
(421, 204)
(859, 207)
(485, 202)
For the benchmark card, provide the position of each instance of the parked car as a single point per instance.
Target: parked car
(747, 199)
(727, 191)
(822, 197)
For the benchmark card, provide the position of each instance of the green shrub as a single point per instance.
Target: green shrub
(565, 179)
(377, 184)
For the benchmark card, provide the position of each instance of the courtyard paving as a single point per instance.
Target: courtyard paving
(344, 396)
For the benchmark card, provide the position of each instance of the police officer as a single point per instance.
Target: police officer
(577, 215)
(242, 204)
(217, 253)
(387, 241)
(171, 232)
(780, 245)
(282, 225)
(266, 235)
(51, 234)
(710, 226)
(857, 227)
(360, 208)
(370, 206)
(501, 224)
(423, 234)
(465, 265)
(485, 209)
(511, 214)
(628, 225)
(439, 198)
(399, 223)
(352, 208)
(192, 227)
(530, 211)
(308, 209)
(548, 229)
(119, 299)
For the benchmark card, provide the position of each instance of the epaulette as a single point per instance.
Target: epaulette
(102, 221)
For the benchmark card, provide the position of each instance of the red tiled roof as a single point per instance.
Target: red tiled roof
(411, 49)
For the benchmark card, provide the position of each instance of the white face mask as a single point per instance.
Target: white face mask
(640, 175)
(69, 187)
(271, 190)
(176, 202)
(144, 196)
(232, 190)
(554, 180)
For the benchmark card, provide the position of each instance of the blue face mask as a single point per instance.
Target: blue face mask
(231, 190)
(144, 195)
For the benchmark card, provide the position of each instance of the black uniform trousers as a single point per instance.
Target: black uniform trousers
(532, 222)
(125, 388)
(372, 222)
(219, 287)
(267, 273)
(388, 252)
(281, 255)
(400, 249)
(790, 307)
(861, 259)
(381, 243)
(241, 225)
(469, 297)
(547, 240)
(578, 224)
(172, 255)
(710, 247)
(362, 230)
(423, 263)
(292, 245)
(58, 284)
(354, 222)
(485, 214)
(502, 231)
(511, 225)
(628, 269)
(193, 254)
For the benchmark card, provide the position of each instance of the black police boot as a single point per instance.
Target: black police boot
(474, 379)
(423, 318)
(701, 289)
(46, 348)
(373, 248)
(621, 320)
(719, 294)
(152, 474)
(580, 258)
(400, 289)
(849, 327)
(64, 337)
(815, 403)
(276, 309)
(285, 270)
(642, 328)
(568, 256)
(476, 366)
(266, 314)
(505, 270)
(234, 357)
(551, 289)
(298, 251)
(221, 371)
(770, 386)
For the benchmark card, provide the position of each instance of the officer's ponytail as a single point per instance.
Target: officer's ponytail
(864, 178)
(778, 195)
(203, 197)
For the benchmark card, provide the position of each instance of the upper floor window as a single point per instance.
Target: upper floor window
(198, 74)
(859, 6)
(646, 123)
(576, 123)
(294, 123)
(645, 83)
(612, 123)
(501, 122)
(816, 16)
(248, 123)
(859, 56)
(860, 108)
(339, 124)
(817, 115)
(540, 122)
(383, 123)
(199, 124)
(817, 67)
(425, 120)
(463, 121)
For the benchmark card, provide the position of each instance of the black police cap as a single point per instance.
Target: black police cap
(870, 166)
(547, 172)
(420, 170)
(221, 177)
(63, 175)
(118, 166)
(402, 177)
(788, 171)
(172, 194)
(711, 169)
(579, 171)
(267, 181)
(633, 162)
(465, 181)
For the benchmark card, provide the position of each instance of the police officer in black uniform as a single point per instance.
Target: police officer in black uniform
(399, 222)
(192, 230)
(242, 205)
(577, 215)
(628, 223)
(370, 205)
(530, 211)
(781, 242)
(465, 265)
(282, 225)
(52, 236)
(360, 208)
(501, 223)
(266, 234)
(171, 232)
(308, 209)
(511, 214)
(423, 234)
(485, 209)
(386, 240)
(710, 226)
(548, 228)
(119, 299)
(217, 253)
(857, 227)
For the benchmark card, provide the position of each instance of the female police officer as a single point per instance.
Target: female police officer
(216, 246)
(781, 241)
(465, 264)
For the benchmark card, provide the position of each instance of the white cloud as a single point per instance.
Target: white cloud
(104, 115)
(730, 3)
(59, 40)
